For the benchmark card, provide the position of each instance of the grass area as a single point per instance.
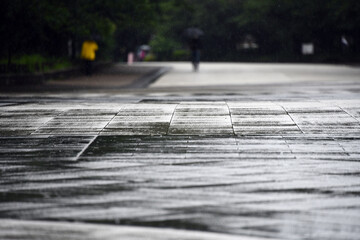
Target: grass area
(34, 63)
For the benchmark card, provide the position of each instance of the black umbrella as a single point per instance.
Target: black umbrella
(145, 47)
(193, 32)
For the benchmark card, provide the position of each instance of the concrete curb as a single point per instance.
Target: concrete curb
(147, 79)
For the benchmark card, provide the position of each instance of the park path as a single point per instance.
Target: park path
(277, 158)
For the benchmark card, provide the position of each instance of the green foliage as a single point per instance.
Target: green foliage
(46, 26)
(181, 55)
(150, 57)
(163, 47)
(279, 27)
(36, 63)
(30, 59)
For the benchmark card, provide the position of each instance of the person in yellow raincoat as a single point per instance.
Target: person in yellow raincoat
(89, 47)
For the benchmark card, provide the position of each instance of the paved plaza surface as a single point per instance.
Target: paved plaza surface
(234, 151)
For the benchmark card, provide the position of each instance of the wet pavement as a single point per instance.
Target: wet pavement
(276, 158)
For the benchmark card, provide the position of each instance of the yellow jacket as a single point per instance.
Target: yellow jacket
(88, 50)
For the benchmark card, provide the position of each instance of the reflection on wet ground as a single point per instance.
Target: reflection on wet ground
(34, 230)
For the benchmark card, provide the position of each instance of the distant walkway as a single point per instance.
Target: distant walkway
(233, 74)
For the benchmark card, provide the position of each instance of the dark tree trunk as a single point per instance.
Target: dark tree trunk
(9, 59)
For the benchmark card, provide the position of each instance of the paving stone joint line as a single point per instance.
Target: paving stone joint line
(172, 117)
(231, 119)
(292, 119)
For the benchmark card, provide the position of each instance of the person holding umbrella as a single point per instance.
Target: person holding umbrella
(195, 45)
(143, 50)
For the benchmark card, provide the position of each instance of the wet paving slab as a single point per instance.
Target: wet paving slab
(25, 121)
(259, 186)
(141, 119)
(205, 118)
(179, 118)
(77, 121)
(251, 169)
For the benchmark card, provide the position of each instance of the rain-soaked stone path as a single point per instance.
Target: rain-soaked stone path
(138, 166)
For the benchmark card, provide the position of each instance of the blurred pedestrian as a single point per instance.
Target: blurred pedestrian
(195, 47)
(89, 47)
(193, 35)
(142, 55)
(143, 50)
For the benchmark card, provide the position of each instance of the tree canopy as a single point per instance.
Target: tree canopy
(278, 27)
(49, 26)
(275, 29)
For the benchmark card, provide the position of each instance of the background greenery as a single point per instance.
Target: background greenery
(45, 28)
(279, 28)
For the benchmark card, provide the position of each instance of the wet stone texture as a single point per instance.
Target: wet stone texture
(77, 121)
(283, 170)
(204, 118)
(19, 122)
(261, 118)
(141, 119)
